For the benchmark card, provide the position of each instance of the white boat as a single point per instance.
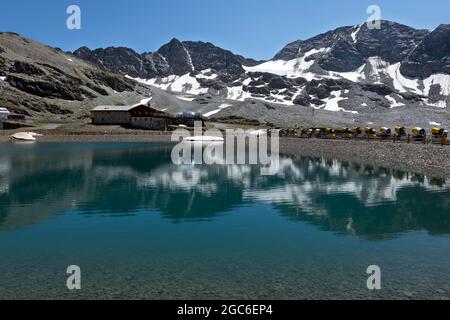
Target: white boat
(203, 139)
(34, 134)
(25, 136)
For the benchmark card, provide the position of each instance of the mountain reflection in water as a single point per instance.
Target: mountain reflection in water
(38, 182)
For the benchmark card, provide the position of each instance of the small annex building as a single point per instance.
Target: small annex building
(4, 114)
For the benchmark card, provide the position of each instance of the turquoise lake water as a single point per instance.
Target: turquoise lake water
(141, 227)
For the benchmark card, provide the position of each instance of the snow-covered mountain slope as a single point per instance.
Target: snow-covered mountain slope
(297, 82)
(350, 69)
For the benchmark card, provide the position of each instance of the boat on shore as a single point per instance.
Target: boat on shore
(25, 136)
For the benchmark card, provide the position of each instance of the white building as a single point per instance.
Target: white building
(4, 113)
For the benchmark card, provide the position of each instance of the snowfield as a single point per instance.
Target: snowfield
(402, 83)
(185, 98)
(439, 104)
(293, 68)
(374, 70)
(238, 93)
(207, 74)
(183, 84)
(394, 102)
(332, 104)
(441, 79)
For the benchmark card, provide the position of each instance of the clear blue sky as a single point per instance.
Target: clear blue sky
(254, 28)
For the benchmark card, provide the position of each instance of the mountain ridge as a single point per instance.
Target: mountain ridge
(38, 80)
(392, 62)
(164, 61)
(352, 72)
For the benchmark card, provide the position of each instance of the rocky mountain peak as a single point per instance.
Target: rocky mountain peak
(119, 60)
(173, 58)
(432, 55)
(349, 47)
(177, 56)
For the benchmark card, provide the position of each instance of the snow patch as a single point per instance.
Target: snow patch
(439, 104)
(247, 81)
(378, 67)
(332, 104)
(3, 78)
(401, 83)
(354, 76)
(441, 79)
(189, 58)
(144, 101)
(394, 103)
(207, 74)
(355, 33)
(184, 98)
(219, 108)
(186, 83)
(237, 93)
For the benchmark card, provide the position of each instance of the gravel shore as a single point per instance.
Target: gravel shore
(95, 136)
(90, 138)
(431, 160)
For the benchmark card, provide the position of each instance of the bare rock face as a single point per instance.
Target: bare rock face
(205, 55)
(37, 80)
(380, 89)
(118, 60)
(177, 57)
(113, 81)
(431, 56)
(392, 42)
(26, 68)
(46, 88)
(173, 58)
(349, 47)
(290, 51)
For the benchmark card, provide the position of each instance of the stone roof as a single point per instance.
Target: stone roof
(113, 108)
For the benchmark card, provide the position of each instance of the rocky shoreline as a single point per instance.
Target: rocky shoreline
(98, 138)
(430, 160)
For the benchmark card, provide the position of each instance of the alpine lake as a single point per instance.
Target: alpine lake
(140, 227)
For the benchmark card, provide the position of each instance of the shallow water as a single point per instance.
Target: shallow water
(141, 227)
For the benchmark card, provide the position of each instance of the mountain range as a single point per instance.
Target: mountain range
(350, 74)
